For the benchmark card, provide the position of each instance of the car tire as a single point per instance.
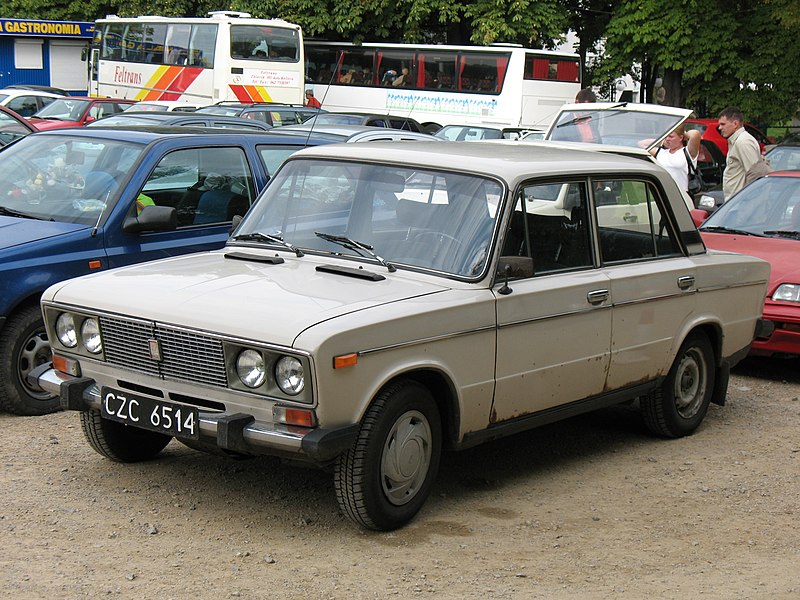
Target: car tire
(23, 347)
(383, 480)
(119, 442)
(678, 406)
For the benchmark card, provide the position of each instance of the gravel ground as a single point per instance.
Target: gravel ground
(588, 508)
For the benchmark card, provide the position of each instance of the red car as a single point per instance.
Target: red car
(77, 111)
(763, 220)
(709, 131)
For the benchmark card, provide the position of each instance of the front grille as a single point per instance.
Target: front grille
(185, 355)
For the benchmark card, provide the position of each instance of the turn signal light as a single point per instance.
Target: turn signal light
(66, 365)
(345, 360)
(301, 417)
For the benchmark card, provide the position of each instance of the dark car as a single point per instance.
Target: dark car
(77, 111)
(786, 155)
(355, 133)
(371, 120)
(474, 133)
(173, 119)
(708, 129)
(84, 200)
(271, 113)
(12, 126)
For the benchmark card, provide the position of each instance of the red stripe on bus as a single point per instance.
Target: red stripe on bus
(241, 93)
(183, 80)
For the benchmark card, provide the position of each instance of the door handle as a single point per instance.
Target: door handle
(685, 282)
(597, 296)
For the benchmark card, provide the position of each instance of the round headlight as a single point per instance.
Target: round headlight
(65, 330)
(90, 334)
(250, 368)
(289, 375)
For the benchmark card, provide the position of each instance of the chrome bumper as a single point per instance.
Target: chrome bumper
(235, 432)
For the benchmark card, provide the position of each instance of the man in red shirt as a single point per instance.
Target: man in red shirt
(311, 101)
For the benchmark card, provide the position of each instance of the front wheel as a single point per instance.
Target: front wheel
(121, 443)
(23, 347)
(385, 478)
(679, 405)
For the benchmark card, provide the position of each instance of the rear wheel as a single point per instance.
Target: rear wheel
(679, 405)
(385, 478)
(119, 442)
(23, 347)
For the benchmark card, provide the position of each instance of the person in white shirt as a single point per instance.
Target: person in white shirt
(678, 148)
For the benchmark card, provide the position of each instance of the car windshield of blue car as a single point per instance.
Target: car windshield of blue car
(383, 214)
(63, 178)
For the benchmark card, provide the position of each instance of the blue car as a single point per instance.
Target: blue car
(78, 201)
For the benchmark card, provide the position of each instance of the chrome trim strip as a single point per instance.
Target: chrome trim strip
(427, 340)
(583, 311)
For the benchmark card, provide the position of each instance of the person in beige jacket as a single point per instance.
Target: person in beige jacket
(743, 150)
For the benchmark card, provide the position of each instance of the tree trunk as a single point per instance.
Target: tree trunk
(673, 88)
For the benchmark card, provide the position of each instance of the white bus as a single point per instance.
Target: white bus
(226, 56)
(443, 84)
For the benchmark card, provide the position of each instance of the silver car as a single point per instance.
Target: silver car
(382, 302)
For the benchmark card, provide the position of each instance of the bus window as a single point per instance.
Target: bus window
(547, 68)
(153, 43)
(256, 42)
(201, 48)
(481, 73)
(438, 70)
(356, 66)
(112, 42)
(393, 64)
(132, 42)
(321, 64)
(177, 46)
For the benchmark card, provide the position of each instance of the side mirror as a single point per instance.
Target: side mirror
(515, 267)
(152, 218)
(698, 216)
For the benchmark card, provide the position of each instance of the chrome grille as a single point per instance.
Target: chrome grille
(186, 355)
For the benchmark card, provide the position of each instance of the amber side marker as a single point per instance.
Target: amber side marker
(345, 360)
(95, 264)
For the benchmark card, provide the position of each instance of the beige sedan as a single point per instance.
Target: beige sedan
(383, 302)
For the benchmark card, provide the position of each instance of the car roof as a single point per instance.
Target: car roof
(347, 132)
(173, 118)
(12, 92)
(97, 99)
(147, 134)
(505, 158)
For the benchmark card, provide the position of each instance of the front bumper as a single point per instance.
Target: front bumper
(782, 337)
(234, 432)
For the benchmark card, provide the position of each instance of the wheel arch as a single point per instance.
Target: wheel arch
(444, 394)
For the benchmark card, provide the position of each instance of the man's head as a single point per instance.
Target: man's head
(309, 93)
(585, 95)
(730, 120)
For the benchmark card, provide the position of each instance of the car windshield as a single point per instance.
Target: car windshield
(332, 119)
(403, 216)
(67, 109)
(769, 206)
(613, 126)
(228, 111)
(63, 178)
(11, 129)
(458, 133)
(784, 158)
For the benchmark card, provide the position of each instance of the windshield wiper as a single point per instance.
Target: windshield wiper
(270, 239)
(597, 115)
(730, 230)
(352, 244)
(784, 233)
(13, 213)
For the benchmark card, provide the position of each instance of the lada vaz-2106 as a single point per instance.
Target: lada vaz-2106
(381, 303)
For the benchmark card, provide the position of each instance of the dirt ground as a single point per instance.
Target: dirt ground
(593, 507)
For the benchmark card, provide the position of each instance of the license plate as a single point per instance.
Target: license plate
(177, 420)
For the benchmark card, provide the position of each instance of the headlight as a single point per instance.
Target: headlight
(788, 292)
(250, 368)
(289, 375)
(65, 330)
(90, 334)
(706, 202)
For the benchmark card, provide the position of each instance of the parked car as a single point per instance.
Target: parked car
(177, 119)
(473, 133)
(709, 131)
(271, 113)
(785, 156)
(39, 88)
(389, 121)
(77, 111)
(763, 220)
(355, 133)
(26, 102)
(12, 126)
(83, 200)
(382, 302)
(164, 106)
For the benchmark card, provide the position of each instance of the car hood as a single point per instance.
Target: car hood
(617, 123)
(783, 255)
(45, 124)
(238, 297)
(15, 231)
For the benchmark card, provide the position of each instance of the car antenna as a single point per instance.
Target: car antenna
(100, 216)
(319, 108)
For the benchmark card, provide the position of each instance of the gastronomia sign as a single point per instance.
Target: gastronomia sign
(64, 29)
